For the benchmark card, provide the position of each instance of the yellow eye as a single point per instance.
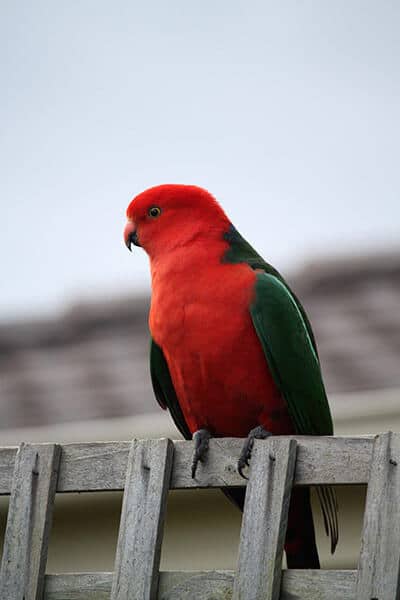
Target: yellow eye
(154, 212)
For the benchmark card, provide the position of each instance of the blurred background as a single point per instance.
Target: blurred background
(289, 114)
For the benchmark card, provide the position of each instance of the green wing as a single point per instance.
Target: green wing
(290, 350)
(291, 356)
(240, 251)
(287, 340)
(164, 389)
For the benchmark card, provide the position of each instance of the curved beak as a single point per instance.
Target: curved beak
(130, 235)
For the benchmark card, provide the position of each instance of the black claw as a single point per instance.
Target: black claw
(201, 439)
(240, 467)
(258, 433)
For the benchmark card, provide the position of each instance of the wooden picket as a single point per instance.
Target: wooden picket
(143, 509)
(262, 538)
(146, 470)
(29, 520)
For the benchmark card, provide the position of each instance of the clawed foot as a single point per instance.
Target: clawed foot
(258, 433)
(201, 439)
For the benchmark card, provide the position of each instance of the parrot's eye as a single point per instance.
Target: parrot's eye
(154, 212)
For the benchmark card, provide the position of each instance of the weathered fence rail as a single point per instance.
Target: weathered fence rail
(147, 469)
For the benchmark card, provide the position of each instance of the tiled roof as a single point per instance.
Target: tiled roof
(92, 362)
(354, 306)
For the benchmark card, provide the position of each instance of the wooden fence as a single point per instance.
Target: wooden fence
(32, 474)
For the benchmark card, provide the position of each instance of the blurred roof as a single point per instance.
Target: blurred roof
(92, 362)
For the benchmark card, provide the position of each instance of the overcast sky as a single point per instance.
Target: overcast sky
(287, 111)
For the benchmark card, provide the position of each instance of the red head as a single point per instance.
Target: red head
(169, 216)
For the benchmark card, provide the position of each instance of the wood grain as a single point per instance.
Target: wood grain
(206, 585)
(29, 522)
(258, 574)
(142, 519)
(379, 566)
(102, 466)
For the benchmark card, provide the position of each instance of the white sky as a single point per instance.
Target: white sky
(287, 111)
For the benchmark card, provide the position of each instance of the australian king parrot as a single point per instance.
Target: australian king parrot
(232, 350)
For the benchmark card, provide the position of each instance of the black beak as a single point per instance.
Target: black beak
(132, 238)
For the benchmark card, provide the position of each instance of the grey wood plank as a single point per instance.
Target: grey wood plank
(7, 463)
(305, 584)
(206, 585)
(142, 519)
(379, 566)
(78, 586)
(102, 466)
(258, 574)
(345, 460)
(93, 467)
(29, 522)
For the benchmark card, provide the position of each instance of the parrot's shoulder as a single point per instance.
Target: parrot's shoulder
(240, 251)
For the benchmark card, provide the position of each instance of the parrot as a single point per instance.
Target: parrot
(232, 351)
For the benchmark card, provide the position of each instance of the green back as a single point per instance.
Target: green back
(290, 349)
(288, 341)
(240, 251)
(291, 355)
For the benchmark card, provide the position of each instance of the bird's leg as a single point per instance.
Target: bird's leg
(258, 433)
(201, 439)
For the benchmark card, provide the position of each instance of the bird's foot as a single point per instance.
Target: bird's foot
(201, 439)
(258, 433)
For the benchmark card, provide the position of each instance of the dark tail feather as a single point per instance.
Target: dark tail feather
(300, 547)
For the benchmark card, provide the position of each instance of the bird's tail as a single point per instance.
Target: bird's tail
(300, 547)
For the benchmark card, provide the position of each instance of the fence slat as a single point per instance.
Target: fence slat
(142, 518)
(101, 466)
(29, 522)
(346, 460)
(379, 567)
(206, 585)
(258, 575)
